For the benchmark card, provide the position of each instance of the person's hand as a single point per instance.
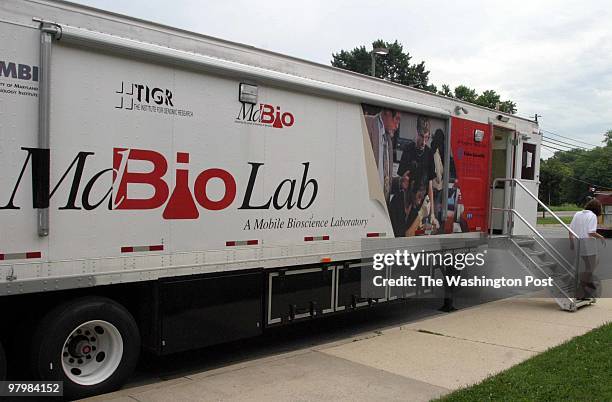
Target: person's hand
(405, 181)
(435, 222)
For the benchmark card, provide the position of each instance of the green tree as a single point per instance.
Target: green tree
(507, 107)
(567, 175)
(553, 175)
(466, 94)
(608, 138)
(394, 67)
(492, 100)
(446, 91)
(488, 98)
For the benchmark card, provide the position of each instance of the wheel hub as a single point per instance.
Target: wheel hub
(79, 346)
(92, 352)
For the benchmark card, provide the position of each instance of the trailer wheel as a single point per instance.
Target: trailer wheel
(92, 344)
(2, 363)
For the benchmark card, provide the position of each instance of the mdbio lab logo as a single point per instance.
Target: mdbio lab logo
(148, 98)
(264, 115)
(180, 189)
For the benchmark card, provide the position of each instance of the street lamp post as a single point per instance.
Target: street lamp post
(377, 50)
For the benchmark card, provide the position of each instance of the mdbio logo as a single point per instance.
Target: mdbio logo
(264, 115)
(80, 188)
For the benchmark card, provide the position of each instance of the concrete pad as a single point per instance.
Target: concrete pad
(439, 360)
(305, 377)
(399, 363)
(604, 303)
(110, 398)
(546, 310)
(123, 395)
(489, 325)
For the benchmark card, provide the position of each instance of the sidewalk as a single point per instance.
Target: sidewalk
(413, 362)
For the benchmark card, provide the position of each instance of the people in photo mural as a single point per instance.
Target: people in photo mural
(413, 190)
(382, 128)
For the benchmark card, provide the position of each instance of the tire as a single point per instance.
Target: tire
(92, 344)
(2, 364)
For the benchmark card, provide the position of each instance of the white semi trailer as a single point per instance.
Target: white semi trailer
(164, 190)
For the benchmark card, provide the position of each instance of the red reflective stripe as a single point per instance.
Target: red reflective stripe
(308, 238)
(127, 249)
(325, 237)
(251, 242)
(1, 257)
(230, 243)
(159, 247)
(34, 254)
(372, 235)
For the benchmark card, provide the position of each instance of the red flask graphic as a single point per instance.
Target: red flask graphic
(277, 121)
(181, 204)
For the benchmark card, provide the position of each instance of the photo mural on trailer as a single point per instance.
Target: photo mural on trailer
(409, 151)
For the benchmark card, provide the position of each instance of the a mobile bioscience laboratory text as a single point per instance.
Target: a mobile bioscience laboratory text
(451, 264)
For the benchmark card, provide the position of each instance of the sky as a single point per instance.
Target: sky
(553, 58)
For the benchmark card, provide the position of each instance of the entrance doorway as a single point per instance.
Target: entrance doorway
(501, 167)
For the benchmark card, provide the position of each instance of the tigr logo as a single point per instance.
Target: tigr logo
(144, 94)
(265, 114)
(181, 198)
(18, 71)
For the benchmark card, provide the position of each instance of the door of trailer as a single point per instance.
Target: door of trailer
(515, 155)
(526, 171)
(468, 195)
(502, 167)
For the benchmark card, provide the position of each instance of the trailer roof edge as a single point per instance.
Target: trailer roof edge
(167, 29)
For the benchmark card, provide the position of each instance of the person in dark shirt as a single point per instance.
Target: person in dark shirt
(418, 155)
(401, 205)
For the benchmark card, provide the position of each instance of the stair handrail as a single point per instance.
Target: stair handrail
(516, 181)
(558, 257)
(535, 264)
(512, 211)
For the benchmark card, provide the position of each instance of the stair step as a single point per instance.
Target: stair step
(549, 264)
(560, 278)
(525, 242)
(536, 253)
(582, 303)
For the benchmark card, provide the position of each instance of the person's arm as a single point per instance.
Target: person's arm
(432, 211)
(593, 229)
(571, 236)
(396, 185)
(439, 169)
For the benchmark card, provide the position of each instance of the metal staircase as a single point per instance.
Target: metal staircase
(538, 256)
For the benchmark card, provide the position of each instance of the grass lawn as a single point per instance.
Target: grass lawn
(579, 370)
(564, 207)
(550, 220)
